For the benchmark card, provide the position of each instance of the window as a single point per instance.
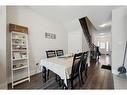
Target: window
(102, 45)
(98, 43)
(107, 46)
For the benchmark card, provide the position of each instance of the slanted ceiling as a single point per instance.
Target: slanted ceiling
(97, 14)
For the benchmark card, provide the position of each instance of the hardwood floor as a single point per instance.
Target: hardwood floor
(98, 78)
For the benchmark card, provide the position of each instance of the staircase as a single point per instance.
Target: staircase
(83, 22)
(93, 49)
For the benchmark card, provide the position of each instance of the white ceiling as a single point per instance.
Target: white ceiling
(97, 14)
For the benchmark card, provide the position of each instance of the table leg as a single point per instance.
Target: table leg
(47, 76)
(44, 74)
(58, 80)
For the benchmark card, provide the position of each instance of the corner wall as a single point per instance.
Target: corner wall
(38, 44)
(118, 37)
(3, 78)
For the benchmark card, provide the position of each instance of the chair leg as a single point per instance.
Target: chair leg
(82, 78)
(60, 82)
(86, 71)
(58, 79)
(72, 87)
(62, 85)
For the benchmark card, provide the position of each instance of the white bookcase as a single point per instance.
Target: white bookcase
(19, 56)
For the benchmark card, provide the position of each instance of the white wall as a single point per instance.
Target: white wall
(76, 39)
(118, 37)
(74, 36)
(3, 80)
(38, 25)
(74, 42)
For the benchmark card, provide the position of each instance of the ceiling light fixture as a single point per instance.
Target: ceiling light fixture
(105, 24)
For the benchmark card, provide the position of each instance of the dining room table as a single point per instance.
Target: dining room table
(61, 65)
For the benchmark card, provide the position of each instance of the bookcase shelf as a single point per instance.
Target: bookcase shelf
(21, 67)
(16, 50)
(19, 53)
(18, 44)
(20, 81)
(18, 38)
(20, 59)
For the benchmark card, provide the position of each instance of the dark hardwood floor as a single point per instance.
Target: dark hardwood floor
(98, 78)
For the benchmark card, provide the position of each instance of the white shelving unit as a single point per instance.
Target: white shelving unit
(19, 56)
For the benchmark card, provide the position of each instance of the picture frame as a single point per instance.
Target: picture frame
(50, 35)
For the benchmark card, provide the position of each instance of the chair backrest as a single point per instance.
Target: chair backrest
(83, 61)
(76, 64)
(50, 53)
(59, 52)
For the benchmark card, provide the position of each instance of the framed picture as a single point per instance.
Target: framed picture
(50, 35)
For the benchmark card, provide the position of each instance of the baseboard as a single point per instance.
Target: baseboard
(3, 85)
